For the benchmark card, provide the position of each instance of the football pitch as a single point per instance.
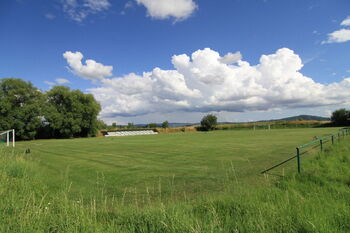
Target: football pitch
(168, 165)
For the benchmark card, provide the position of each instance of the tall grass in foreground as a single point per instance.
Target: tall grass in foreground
(318, 200)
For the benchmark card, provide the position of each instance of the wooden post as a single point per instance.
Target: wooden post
(298, 160)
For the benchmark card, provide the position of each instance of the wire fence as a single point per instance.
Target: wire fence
(311, 146)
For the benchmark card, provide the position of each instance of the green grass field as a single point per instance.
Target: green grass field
(166, 166)
(196, 182)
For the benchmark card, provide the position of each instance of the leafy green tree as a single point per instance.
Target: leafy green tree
(71, 113)
(209, 122)
(341, 117)
(130, 126)
(21, 107)
(165, 124)
(152, 125)
(101, 124)
(114, 125)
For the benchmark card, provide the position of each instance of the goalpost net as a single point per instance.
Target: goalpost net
(262, 126)
(7, 138)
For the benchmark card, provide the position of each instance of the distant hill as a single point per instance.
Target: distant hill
(305, 117)
(293, 118)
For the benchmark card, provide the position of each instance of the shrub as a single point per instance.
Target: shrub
(165, 124)
(209, 122)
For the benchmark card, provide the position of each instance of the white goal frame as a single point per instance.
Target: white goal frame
(8, 135)
(257, 126)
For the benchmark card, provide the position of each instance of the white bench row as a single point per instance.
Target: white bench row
(130, 133)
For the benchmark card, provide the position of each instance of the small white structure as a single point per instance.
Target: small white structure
(130, 133)
(8, 137)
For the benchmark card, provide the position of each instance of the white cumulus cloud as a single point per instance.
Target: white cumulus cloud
(163, 9)
(341, 35)
(62, 80)
(338, 36)
(58, 81)
(92, 70)
(346, 22)
(231, 58)
(202, 82)
(78, 10)
(50, 83)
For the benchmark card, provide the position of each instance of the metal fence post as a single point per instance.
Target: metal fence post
(321, 144)
(298, 159)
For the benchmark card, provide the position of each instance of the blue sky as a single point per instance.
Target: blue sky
(139, 35)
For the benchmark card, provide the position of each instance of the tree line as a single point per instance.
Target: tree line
(57, 113)
(341, 117)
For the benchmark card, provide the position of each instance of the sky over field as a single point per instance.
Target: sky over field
(177, 60)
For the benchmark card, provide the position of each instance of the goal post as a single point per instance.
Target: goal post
(262, 126)
(7, 138)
